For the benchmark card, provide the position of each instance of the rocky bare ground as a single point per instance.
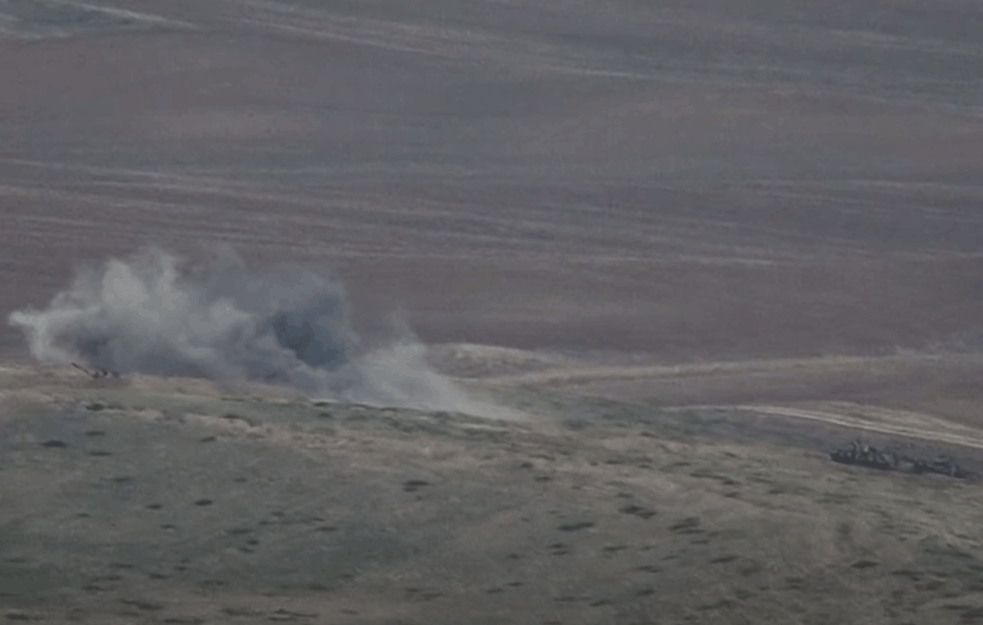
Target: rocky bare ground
(175, 501)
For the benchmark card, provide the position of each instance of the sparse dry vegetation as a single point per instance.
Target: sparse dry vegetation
(178, 501)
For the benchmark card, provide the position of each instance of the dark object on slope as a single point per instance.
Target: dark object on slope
(98, 373)
(869, 456)
(941, 465)
(865, 455)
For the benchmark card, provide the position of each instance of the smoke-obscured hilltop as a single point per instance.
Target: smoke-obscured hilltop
(289, 326)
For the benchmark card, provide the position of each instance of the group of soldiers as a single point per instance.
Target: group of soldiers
(870, 456)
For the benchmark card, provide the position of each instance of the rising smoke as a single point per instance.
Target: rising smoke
(289, 327)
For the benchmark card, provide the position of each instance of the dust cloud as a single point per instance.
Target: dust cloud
(290, 326)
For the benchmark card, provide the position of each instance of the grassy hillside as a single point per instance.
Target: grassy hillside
(175, 501)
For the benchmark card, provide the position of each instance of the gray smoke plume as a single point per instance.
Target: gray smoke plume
(289, 327)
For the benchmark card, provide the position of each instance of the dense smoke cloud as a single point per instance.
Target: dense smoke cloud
(289, 327)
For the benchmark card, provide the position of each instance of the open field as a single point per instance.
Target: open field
(692, 246)
(698, 180)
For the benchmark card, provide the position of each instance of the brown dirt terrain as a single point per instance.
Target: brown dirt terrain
(692, 180)
(695, 244)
